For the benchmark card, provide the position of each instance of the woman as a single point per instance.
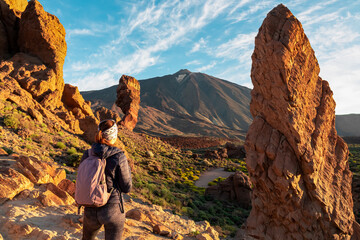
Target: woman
(118, 178)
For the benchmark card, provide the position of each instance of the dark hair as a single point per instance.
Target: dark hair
(103, 126)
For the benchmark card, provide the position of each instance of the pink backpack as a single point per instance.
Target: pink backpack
(91, 189)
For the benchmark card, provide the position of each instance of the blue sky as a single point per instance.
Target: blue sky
(144, 39)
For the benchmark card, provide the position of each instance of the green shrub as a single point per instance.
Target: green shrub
(29, 147)
(11, 121)
(74, 159)
(71, 151)
(60, 145)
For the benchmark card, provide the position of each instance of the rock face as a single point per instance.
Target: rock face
(41, 34)
(236, 187)
(297, 163)
(10, 12)
(128, 99)
(32, 54)
(75, 102)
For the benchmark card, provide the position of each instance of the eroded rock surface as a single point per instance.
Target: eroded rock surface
(297, 163)
(103, 113)
(237, 187)
(128, 99)
(32, 55)
(41, 34)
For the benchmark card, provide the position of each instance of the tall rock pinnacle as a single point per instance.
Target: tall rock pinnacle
(296, 161)
(128, 99)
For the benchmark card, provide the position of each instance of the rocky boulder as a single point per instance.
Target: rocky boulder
(103, 113)
(235, 151)
(74, 101)
(40, 172)
(12, 183)
(128, 99)
(237, 187)
(297, 163)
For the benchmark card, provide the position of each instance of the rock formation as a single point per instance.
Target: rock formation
(236, 187)
(234, 151)
(32, 54)
(103, 113)
(297, 163)
(128, 99)
(18, 173)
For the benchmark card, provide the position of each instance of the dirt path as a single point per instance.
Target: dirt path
(208, 176)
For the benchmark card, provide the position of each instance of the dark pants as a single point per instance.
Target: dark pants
(109, 215)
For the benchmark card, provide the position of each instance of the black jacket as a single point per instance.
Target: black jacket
(117, 170)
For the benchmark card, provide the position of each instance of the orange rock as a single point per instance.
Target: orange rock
(74, 100)
(17, 6)
(67, 186)
(41, 34)
(40, 172)
(103, 113)
(63, 195)
(89, 126)
(203, 236)
(136, 214)
(3, 152)
(17, 230)
(11, 183)
(161, 230)
(48, 198)
(297, 163)
(128, 99)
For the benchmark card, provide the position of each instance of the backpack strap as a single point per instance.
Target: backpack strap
(79, 209)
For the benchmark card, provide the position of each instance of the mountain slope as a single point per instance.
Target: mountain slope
(196, 104)
(186, 103)
(348, 125)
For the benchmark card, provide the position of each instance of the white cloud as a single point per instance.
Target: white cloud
(135, 63)
(239, 48)
(334, 36)
(236, 16)
(240, 4)
(198, 45)
(193, 62)
(81, 66)
(341, 69)
(96, 81)
(82, 31)
(164, 26)
(338, 34)
(206, 67)
(308, 14)
(142, 40)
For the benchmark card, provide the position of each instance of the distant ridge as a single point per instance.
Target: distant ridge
(348, 125)
(186, 104)
(196, 104)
